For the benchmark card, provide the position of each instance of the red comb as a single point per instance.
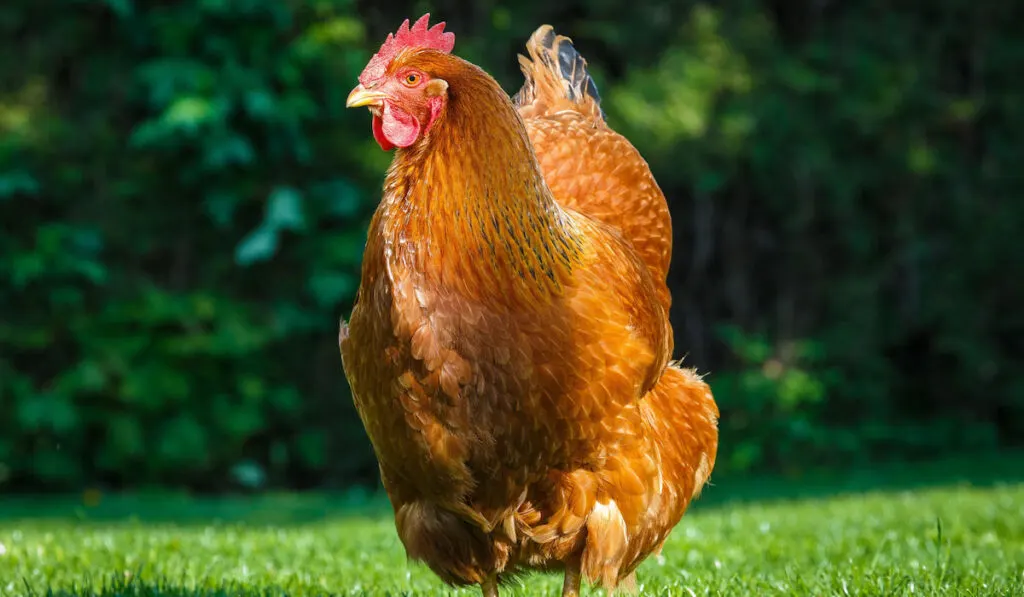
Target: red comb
(419, 36)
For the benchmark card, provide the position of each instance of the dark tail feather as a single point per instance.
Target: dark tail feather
(556, 76)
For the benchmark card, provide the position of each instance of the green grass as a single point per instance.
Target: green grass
(954, 540)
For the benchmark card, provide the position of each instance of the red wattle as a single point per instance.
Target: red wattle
(399, 127)
(378, 134)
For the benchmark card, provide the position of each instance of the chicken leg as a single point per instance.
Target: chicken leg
(489, 587)
(571, 583)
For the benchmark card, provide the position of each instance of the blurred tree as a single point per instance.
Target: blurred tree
(188, 202)
(184, 202)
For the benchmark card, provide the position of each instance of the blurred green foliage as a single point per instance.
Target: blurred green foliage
(185, 200)
(188, 203)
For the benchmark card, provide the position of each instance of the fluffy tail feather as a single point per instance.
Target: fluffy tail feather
(681, 420)
(684, 398)
(556, 77)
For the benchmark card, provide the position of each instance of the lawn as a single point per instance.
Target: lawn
(960, 539)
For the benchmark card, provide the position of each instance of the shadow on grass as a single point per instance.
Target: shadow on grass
(316, 507)
(118, 587)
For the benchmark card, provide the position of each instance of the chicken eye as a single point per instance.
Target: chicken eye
(412, 79)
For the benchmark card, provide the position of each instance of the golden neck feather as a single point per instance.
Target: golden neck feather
(468, 207)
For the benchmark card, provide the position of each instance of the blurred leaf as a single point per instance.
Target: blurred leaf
(47, 412)
(189, 112)
(122, 8)
(312, 449)
(258, 245)
(286, 400)
(921, 159)
(225, 150)
(249, 474)
(260, 104)
(284, 209)
(124, 441)
(329, 288)
(182, 442)
(17, 183)
(221, 207)
(343, 198)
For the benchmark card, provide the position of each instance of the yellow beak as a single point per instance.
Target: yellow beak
(362, 96)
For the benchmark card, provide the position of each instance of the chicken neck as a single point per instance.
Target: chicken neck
(468, 207)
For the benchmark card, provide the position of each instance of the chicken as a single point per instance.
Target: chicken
(509, 349)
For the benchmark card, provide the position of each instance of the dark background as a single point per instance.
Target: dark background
(184, 202)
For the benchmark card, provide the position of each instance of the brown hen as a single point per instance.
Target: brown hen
(509, 349)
